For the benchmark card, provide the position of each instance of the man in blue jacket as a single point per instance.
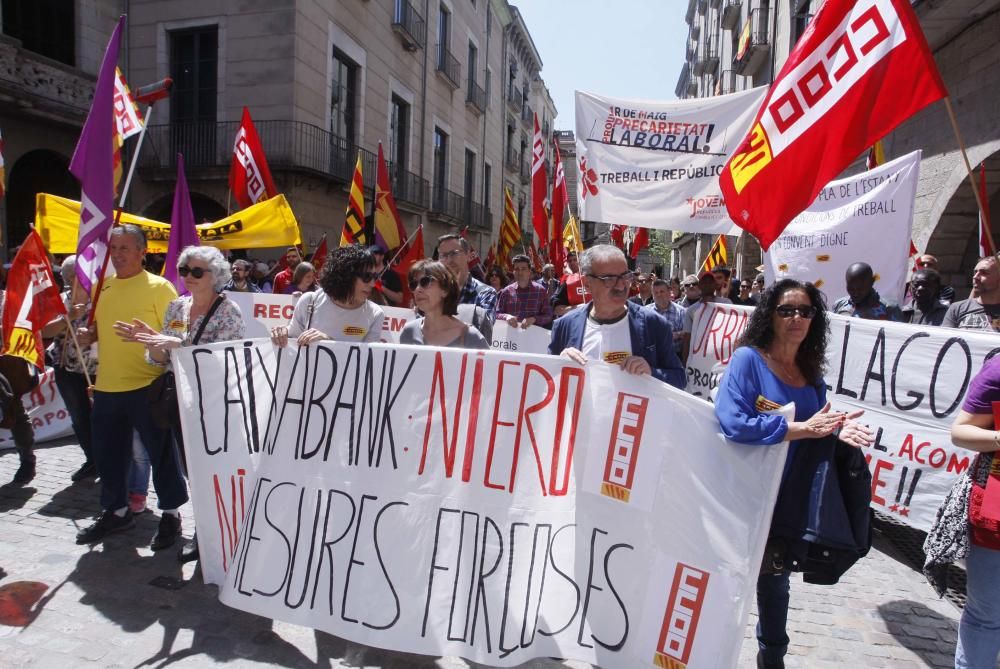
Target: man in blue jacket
(610, 329)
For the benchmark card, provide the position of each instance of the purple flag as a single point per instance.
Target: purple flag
(92, 165)
(183, 231)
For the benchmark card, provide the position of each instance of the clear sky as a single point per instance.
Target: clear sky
(621, 48)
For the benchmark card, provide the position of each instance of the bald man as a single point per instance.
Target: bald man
(862, 300)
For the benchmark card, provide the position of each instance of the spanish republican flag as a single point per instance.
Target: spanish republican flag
(510, 231)
(718, 255)
(389, 230)
(354, 223)
(861, 68)
(32, 300)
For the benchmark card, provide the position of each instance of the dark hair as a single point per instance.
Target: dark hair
(811, 356)
(301, 270)
(342, 266)
(661, 282)
(461, 240)
(928, 275)
(520, 257)
(722, 269)
(496, 270)
(444, 278)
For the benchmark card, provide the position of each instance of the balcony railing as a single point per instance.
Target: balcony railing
(525, 170)
(711, 53)
(730, 14)
(515, 100)
(680, 90)
(448, 66)
(754, 43)
(727, 82)
(289, 145)
(477, 216)
(528, 115)
(409, 25)
(476, 97)
(513, 161)
(446, 205)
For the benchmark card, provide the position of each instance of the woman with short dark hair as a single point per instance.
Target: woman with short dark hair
(497, 278)
(780, 359)
(435, 295)
(341, 311)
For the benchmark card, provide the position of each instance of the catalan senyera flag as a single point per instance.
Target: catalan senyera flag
(986, 247)
(539, 187)
(32, 300)
(859, 70)
(718, 255)
(249, 175)
(510, 231)
(354, 223)
(389, 230)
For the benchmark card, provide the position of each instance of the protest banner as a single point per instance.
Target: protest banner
(270, 223)
(46, 411)
(910, 380)
(657, 164)
(262, 311)
(495, 506)
(862, 218)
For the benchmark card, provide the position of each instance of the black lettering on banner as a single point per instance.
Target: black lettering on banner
(991, 355)
(458, 577)
(841, 390)
(965, 381)
(877, 444)
(385, 572)
(284, 538)
(917, 397)
(295, 551)
(231, 374)
(611, 586)
(505, 651)
(567, 577)
(594, 588)
(316, 402)
(481, 585)
(352, 561)
(201, 397)
(326, 547)
(879, 376)
(532, 621)
(351, 367)
(244, 547)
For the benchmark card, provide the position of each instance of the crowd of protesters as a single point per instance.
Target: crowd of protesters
(123, 408)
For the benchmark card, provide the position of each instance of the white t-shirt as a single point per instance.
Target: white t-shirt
(363, 323)
(610, 343)
(695, 308)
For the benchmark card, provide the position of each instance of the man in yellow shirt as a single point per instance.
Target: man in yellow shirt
(121, 402)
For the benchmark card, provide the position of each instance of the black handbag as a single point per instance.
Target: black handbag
(162, 393)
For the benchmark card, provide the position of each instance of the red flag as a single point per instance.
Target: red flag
(32, 300)
(319, 255)
(560, 199)
(640, 241)
(617, 233)
(859, 70)
(389, 230)
(985, 239)
(536, 262)
(913, 249)
(249, 176)
(539, 186)
(491, 257)
(413, 253)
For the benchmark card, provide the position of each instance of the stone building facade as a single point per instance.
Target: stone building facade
(739, 44)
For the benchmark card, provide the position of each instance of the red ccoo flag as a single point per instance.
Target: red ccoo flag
(639, 241)
(414, 252)
(32, 300)
(319, 255)
(249, 176)
(539, 187)
(859, 70)
(985, 238)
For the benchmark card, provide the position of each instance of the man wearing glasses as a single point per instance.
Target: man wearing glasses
(241, 283)
(613, 330)
(453, 251)
(690, 293)
(645, 285)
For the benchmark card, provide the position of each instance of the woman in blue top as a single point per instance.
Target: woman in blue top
(780, 359)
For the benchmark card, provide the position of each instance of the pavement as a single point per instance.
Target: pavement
(120, 605)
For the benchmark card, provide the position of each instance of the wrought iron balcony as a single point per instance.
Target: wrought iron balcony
(409, 25)
(528, 116)
(446, 205)
(513, 161)
(525, 171)
(477, 216)
(727, 82)
(754, 45)
(711, 53)
(476, 97)
(291, 146)
(448, 66)
(515, 100)
(730, 14)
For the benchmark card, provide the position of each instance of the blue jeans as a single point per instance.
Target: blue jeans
(73, 388)
(115, 416)
(138, 473)
(772, 614)
(979, 629)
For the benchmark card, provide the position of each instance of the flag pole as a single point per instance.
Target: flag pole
(118, 215)
(400, 249)
(79, 351)
(968, 168)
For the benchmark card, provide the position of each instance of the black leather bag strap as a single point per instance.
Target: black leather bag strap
(204, 321)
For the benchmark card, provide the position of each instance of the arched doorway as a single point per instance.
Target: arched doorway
(955, 239)
(205, 208)
(39, 171)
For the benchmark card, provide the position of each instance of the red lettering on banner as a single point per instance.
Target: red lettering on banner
(623, 450)
(957, 465)
(393, 324)
(680, 620)
(437, 383)
(496, 423)
(229, 523)
(563, 416)
(259, 310)
(288, 311)
(877, 481)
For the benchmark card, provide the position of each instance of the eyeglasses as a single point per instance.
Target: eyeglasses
(447, 255)
(422, 282)
(196, 272)
(611, 280)
(368, 277)
(806, 311)
(686, 286)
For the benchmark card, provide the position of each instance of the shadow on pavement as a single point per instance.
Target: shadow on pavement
(76, 501)
(14, 496)
(932, 639)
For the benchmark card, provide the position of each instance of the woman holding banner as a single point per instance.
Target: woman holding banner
(975, 428)
(779, 360)
(435, 296)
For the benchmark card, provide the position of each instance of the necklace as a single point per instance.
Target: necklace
(789, 373)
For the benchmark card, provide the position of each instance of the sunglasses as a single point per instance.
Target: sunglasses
(788, 311)
(422, 282)
(689, 285)
(196, 272)
(368, 277)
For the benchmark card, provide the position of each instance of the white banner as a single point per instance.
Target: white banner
(657, 164)
(910, 380)
(495, 506)
(46, 410)
(262, 311)
(864, 218)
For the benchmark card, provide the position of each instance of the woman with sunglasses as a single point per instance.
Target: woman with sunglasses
(341, 311)
(780, 359)
(435, 297)
(204, 272)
